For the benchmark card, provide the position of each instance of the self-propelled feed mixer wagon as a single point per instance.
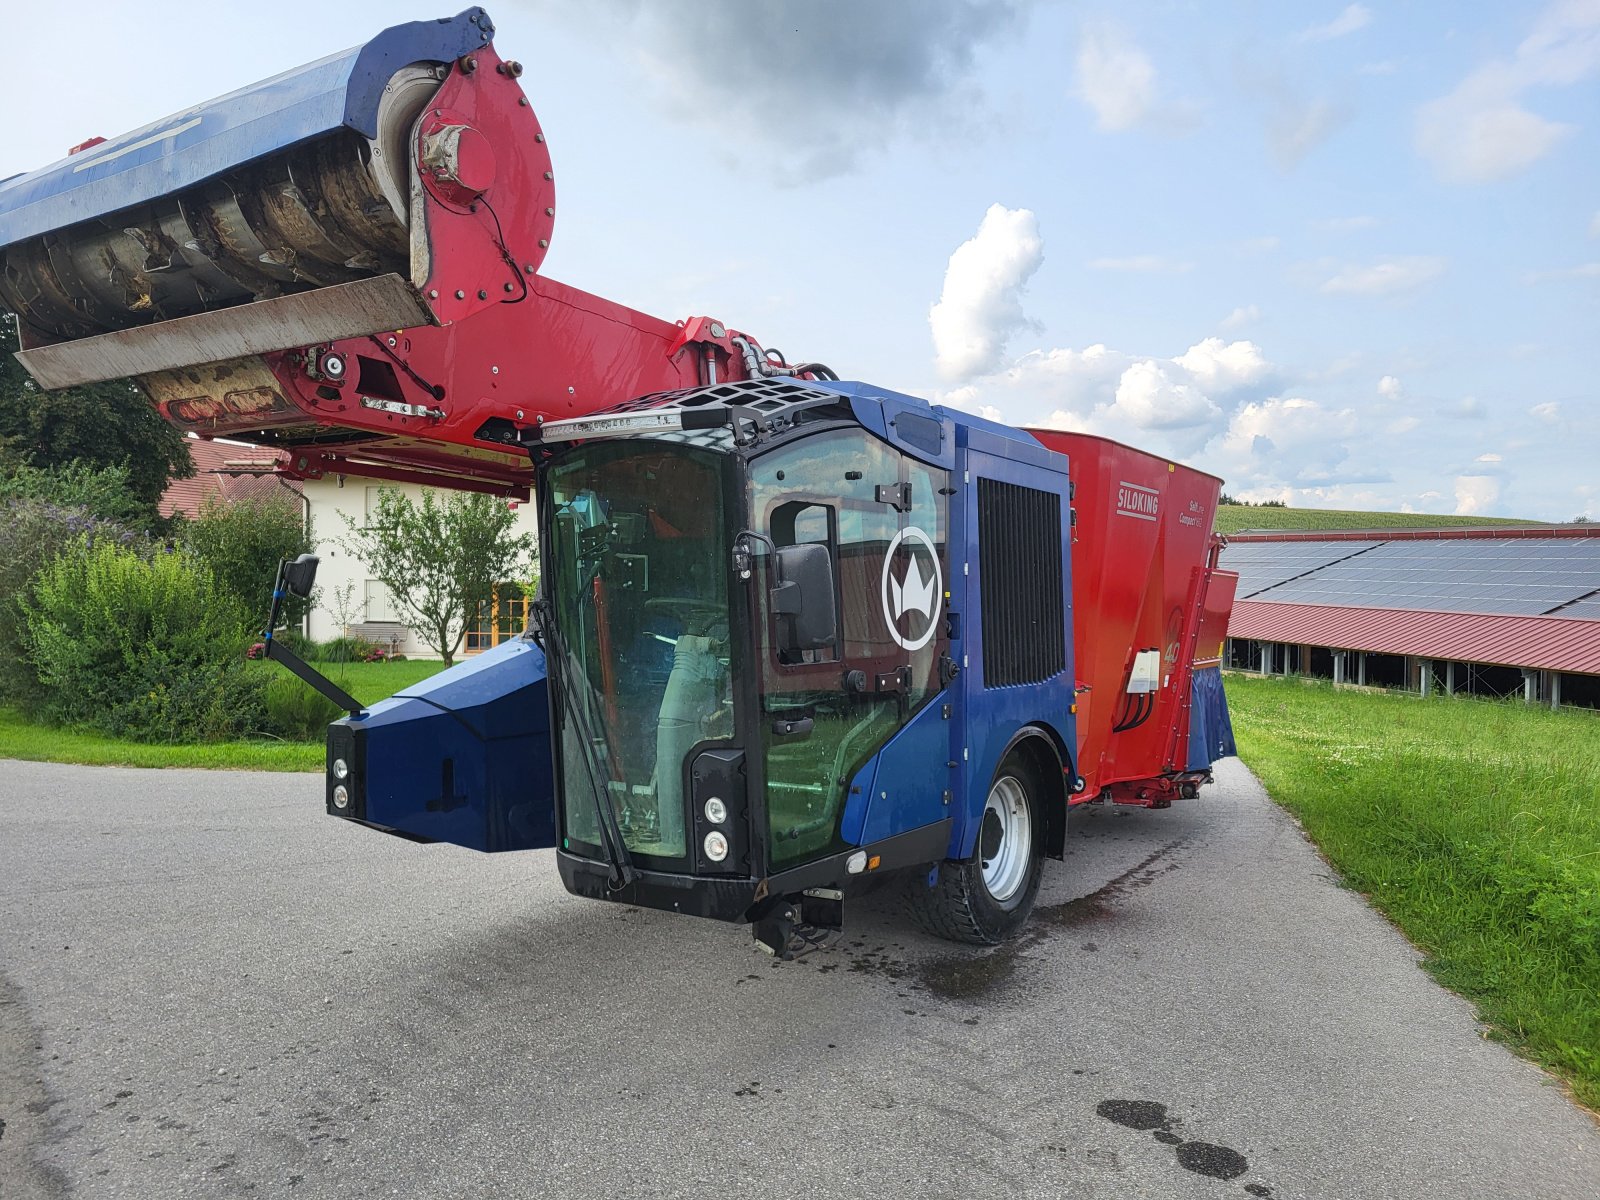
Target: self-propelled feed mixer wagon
(794, 634)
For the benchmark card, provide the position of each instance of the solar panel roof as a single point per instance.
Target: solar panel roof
(1516, 576)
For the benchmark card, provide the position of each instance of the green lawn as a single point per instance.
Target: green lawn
(1474, 824)
(367, 682)
(1235, 518)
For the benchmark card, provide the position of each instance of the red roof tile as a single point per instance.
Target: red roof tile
(228, 473)
(1548, 643)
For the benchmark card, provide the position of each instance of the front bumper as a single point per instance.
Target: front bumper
(724, 899)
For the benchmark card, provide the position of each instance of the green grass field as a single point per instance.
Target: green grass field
(1474, 824)
(367, 682)
(1234, 518)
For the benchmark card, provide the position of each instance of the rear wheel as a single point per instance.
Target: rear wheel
(985, 898)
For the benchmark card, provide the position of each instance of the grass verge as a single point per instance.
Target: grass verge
(1232, 518)
(367, 682)
(1474, 825)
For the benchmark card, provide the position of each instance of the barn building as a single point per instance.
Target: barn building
(1500, 611)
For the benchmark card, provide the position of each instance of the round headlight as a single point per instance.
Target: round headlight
(716, 846)
(716, 811)
(341, 796)
(341, 769)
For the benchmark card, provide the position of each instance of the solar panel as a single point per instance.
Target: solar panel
(1517, 576)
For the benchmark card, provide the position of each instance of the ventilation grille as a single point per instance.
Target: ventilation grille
(1019, 570)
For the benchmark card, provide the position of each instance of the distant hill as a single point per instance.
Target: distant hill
(1236, 518)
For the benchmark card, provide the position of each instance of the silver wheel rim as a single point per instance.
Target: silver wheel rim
(1005, 839)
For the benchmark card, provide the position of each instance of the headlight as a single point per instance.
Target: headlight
(341, 799)
(716, 811)
(716, 846)
(341, 769)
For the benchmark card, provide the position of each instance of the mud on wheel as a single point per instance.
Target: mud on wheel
(985, 898)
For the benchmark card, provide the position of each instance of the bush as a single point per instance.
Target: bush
(295, 711)
(243, 543)
(345, 650)
(148, 647)
(102, 492)
(32, 533)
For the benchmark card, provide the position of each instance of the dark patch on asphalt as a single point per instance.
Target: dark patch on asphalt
(972, 975)
(22, 1082)
(1203, 1158)
(1218, 1162)
(1143, 1115)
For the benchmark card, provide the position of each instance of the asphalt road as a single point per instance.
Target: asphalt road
(211, 990)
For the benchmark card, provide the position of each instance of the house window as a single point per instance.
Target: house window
(502, 618)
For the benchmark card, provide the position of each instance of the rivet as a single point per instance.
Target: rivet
(544, 242)
(538, 137)
(522, 102)
(460, 295)
(507, 287)
(527, 268)
(519, 414)
(433, 293)
(494, 370)
(549, 212)
(482, 295)
(549, 174)
(571, 390)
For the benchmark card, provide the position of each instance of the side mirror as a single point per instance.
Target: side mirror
(803, 598)
(299, 575)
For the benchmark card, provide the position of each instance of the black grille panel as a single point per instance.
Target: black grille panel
(1019, 576)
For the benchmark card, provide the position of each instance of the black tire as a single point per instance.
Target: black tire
(960, 906)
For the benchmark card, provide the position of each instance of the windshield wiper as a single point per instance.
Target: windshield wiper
(559, 656)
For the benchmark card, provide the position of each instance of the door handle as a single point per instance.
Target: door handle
(792, 726)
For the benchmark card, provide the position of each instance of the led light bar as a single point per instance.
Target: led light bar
(660, 420)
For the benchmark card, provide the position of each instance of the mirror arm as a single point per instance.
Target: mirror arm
(278, 652)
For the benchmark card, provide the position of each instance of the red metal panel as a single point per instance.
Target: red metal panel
(1546, 643)
(1140, 573)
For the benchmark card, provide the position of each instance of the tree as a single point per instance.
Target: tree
(244, 541)
(440, 559)
(101, 424)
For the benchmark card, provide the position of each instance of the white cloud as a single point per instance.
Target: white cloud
(1115, 78)
(1403, 425)
(1391, 278)
(1149, 398)
(1298, 127)
(1223, 367)
(1355, 17)
(1475, 494)
(1489, 458)
(1589, 270)
(1389, 387)
(1594, 226)
(1240, 317)
(1154, 264)
(1549, 413)
(981, 305)
(1480, 132)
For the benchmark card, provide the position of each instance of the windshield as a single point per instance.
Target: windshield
(637, 563)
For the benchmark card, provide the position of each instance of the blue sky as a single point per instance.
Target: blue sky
(1342, 255)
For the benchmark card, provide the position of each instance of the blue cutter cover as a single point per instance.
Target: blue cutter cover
(187, 147)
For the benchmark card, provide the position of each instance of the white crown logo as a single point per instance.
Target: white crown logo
(915, 594)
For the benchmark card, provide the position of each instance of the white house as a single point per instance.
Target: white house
(329, 502)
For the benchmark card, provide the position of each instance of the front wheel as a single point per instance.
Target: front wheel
(984, 898)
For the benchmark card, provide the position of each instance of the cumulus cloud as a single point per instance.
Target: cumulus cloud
(1154, 264)
(1149, 398)
(827, 81)
(1489, 458)
(1389, 387)
(1481, 132)
(1549, 412)
(1390, 278)
(1115, 78)
(1247, 314)
(1356, 16)
(1220, 366)
(1476, 494)
(980, 307)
